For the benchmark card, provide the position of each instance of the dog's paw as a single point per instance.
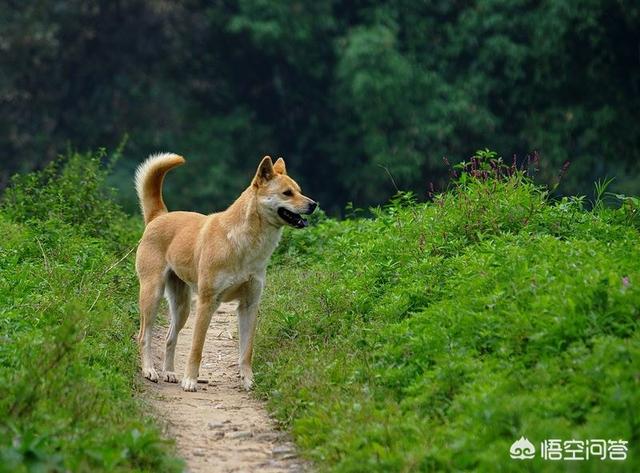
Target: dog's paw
(170, 377)
(246, 376)
(151, 374)
(247, 383)
(189, 384)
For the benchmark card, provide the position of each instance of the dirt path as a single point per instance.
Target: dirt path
(219, 428)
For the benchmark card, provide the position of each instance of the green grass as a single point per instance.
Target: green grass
(68, 361)
(426, 338)
(432, 336)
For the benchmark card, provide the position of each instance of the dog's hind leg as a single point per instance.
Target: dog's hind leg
(178, 294)
(247, 319)
(151, 289)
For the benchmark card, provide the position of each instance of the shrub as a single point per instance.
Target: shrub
(68, 362)
(71, 191)
(431, 336)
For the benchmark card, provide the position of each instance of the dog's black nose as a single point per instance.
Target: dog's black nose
(312, 207)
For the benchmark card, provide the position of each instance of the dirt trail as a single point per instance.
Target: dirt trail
(219, 428)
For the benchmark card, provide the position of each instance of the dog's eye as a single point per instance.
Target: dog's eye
(288, 193)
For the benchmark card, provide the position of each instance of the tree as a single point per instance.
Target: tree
(349, 94)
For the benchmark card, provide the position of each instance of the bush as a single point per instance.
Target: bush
(71, 191)
(432, 336)
(68, 362)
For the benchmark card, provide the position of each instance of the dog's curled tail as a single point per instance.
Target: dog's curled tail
(149, 177)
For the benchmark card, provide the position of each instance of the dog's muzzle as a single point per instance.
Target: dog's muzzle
(294, 219)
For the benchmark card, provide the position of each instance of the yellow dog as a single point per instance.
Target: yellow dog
(222, 256)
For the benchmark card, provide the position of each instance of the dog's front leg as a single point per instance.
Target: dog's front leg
(247, 318)
(208, 303)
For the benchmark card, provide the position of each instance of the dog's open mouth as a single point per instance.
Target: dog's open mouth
(293, 219)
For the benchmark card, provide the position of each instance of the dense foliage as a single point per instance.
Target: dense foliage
(431, 337)
(342, 89)
(68, 361)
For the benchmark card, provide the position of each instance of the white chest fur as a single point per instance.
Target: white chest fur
(248, 258)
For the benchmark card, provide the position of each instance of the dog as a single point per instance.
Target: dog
(222, 256)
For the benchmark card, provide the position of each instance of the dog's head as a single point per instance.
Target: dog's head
(279, 196)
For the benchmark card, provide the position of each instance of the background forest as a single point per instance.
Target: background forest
(342, 90)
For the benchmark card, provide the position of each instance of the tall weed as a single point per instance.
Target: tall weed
(431, 336)
(68, 361)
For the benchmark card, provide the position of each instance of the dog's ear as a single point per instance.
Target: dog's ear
(279, 167)
(265, 172)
